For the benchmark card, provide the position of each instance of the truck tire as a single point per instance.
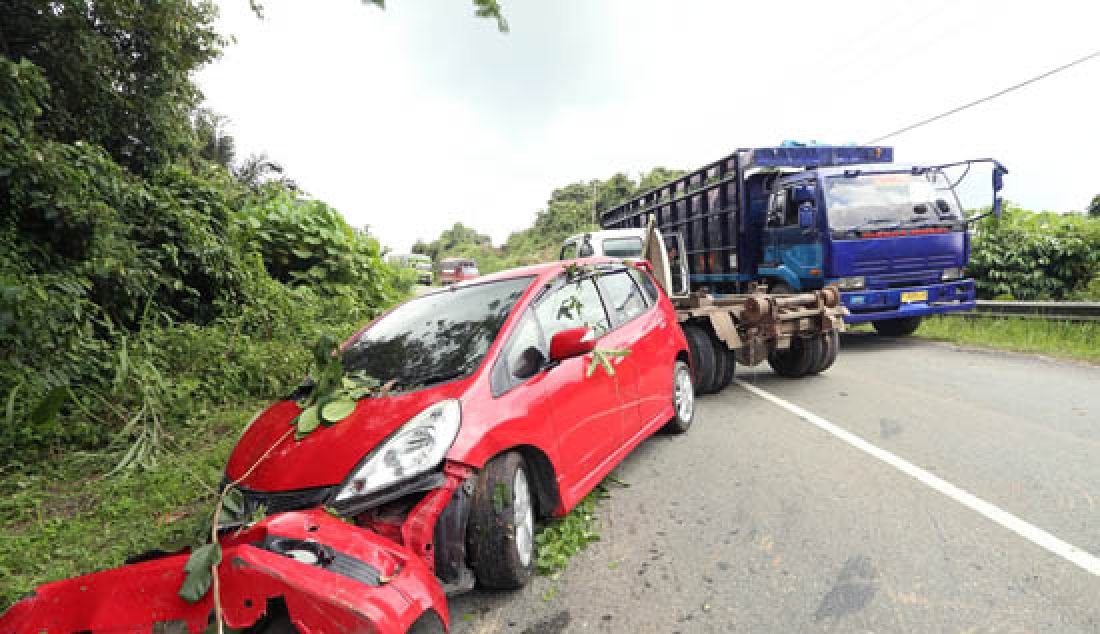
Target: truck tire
(831, 344)
(704, 365)
(727, 364)
(897, 327)
(799, 359)
(501, 530)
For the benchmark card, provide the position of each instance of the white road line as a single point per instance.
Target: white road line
(1030, 532)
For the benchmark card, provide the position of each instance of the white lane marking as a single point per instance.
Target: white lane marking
(1030, 532)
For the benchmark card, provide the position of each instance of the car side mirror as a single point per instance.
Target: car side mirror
(572, 342)
(806, 216)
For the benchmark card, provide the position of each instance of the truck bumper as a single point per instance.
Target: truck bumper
(875, 305)
(366, 584)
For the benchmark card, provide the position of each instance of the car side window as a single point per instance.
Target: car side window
(645, 282)
(573, 305)
(528, 334)
(623, 297)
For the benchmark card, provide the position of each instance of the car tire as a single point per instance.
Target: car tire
(683, 400)
(501, 529)
(897, 327)
(704, 365)
(796, 361)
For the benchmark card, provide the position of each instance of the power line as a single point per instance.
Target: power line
(987, 98)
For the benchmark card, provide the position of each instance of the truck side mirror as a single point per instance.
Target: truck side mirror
(998, 184)
(806, 216)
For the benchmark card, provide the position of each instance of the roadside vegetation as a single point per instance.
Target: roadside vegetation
(1065, 339)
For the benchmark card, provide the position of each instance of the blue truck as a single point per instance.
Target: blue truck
(894, 239)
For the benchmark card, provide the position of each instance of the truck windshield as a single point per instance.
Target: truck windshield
(622, 247)
(423, 266)
(889, 199)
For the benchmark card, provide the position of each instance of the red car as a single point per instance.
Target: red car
(496, 420)
(455, 270)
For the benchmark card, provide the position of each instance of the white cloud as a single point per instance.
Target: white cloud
(413, 118)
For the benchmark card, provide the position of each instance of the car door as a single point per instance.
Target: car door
(625, 305)
(587, 411)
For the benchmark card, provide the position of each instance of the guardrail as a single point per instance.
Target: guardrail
(1053, 311)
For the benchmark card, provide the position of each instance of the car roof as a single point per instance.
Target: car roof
(545, 269)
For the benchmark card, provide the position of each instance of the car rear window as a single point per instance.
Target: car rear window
(623, 297)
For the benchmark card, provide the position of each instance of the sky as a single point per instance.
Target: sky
(414, 117)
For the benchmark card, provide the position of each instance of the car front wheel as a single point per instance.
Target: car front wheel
(501, 531)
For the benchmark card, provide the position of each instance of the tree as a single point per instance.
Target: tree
(213, 140)
(1094, 207)
(119, 71)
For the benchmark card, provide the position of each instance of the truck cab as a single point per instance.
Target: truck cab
(893, 239)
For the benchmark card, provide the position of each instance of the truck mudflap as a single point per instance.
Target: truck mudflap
(323, 574)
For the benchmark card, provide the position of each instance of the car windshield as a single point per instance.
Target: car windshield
(877, 200)
(622, 247)
(437, 337)
(423, 266)
(470, 270)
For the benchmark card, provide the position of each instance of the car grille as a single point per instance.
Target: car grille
(283, 501)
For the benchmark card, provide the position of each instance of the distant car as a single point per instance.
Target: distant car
(420, 263)
(494, 416)
(455, 270)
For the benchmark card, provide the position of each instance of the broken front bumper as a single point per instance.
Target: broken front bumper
(330, 575)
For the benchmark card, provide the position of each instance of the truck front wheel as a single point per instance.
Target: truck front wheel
(704, 364)
(897, 327)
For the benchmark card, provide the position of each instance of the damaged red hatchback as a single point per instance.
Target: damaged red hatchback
(500, 415)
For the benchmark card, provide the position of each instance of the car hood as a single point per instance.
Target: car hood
(327, 455)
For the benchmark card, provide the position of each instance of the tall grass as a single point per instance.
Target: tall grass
(1067, 339)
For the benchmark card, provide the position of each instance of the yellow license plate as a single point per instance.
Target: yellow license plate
(914, 296)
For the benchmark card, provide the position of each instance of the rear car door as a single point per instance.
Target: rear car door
(588, 412)
(626, 304)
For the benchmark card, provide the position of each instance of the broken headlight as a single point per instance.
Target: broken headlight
(416, 447)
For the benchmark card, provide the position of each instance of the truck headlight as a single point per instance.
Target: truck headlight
(850, 283)
(951, 274)
(416, 447)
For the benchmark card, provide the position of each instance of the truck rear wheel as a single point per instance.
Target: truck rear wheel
(831, 346)
(704, 365)
(727, 365)
(897, 327)
(799, 359)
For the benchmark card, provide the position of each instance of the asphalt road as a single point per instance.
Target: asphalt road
(759, 520)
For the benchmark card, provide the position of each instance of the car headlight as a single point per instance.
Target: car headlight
(951, 274)
(416, 447)
(850, 283)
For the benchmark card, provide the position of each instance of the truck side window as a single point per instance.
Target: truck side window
(569, 251)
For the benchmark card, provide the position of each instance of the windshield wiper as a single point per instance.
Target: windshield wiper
(433, 378)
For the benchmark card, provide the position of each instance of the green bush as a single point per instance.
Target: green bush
(1030, 256)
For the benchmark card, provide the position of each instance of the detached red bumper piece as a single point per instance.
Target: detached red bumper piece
(318, 572)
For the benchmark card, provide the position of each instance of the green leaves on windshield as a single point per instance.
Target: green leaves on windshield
(333, 395)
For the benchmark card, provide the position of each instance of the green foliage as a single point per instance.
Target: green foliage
(567, 536)
(1067, 339)
(119, 71)
(199, 575)
(1029, 255)
(571, 209)
(306, 242)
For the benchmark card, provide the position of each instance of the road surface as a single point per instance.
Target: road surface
(766, 519)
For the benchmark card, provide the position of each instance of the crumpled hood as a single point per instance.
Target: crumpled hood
(327, 455)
